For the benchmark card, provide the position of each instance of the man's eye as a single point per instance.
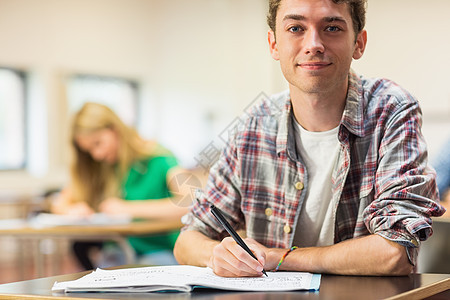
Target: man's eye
(294, 29)
(333, 29)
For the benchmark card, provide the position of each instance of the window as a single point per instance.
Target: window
(12, 119)
(120, 95)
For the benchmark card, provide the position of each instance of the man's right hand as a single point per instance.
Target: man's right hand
(228, 259)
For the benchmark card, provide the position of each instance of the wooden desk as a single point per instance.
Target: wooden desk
(117, 233)
(133, 228)
(414, 286)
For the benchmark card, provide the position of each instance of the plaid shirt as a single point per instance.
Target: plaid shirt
(381, 179)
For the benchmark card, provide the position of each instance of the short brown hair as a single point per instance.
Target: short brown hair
(357, 11)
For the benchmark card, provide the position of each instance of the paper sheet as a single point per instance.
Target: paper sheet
(50, 220)
(183, 278)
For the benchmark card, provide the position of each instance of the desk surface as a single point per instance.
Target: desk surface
(414, 286)
(133, 228)
(113, 232)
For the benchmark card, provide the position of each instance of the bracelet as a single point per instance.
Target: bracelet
(284, 256)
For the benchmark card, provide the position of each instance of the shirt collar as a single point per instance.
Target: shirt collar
(284, 126)
(352, 117)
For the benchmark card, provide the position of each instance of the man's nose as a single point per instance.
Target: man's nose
(313, 43)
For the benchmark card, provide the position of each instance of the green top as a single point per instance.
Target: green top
(147, 179)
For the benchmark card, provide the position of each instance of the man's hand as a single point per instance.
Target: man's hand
(231, 260)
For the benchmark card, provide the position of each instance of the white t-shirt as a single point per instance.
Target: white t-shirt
(319, 151)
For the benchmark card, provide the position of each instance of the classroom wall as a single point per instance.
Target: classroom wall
(199, 63)
(408, 43)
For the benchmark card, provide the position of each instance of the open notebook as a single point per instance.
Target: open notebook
(183, 279)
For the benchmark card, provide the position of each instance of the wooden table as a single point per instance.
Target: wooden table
(117, 233)
(414, 286)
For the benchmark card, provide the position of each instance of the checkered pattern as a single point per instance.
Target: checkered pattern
(381, 180)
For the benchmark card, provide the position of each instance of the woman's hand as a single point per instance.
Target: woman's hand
(231, 260)
(80, 209)
(63, 204)
(113, 206)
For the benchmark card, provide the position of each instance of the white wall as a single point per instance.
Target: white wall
(199, 63)
(408, 42)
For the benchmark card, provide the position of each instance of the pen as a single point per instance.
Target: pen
(216, 212)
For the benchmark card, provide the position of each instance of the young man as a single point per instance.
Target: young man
(337, 165)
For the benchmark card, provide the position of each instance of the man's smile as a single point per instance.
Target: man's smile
(314, 65)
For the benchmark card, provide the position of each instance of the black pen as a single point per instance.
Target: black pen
(216, 212)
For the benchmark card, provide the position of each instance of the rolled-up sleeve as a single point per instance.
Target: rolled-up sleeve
(406, 194)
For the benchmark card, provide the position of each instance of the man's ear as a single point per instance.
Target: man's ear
(361, 42)
(273, 45)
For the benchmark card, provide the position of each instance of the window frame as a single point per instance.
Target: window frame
(134, 84)
(23, 75)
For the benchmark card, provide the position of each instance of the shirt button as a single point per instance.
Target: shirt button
(268, 211)
(299, 185)
(415, 243)
(287, 228)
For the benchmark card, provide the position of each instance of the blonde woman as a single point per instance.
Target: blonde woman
(115, 171)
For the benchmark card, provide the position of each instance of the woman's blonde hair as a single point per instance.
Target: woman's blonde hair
(92, 181)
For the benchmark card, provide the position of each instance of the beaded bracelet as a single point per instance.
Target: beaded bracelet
(284, 256)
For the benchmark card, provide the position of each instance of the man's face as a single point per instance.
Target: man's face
(315, 44)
